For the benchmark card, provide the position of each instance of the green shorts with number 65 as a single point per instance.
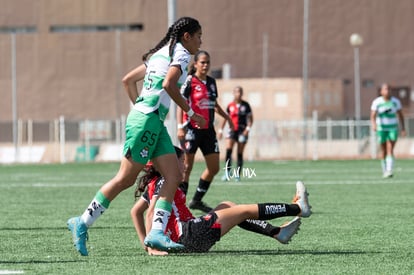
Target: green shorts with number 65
(146, 137)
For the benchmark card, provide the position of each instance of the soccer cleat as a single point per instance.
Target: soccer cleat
(79, 234)
(387, 174)
(237, 179)
(199, 205)
(301, 199)
(224, 177)
(158, 240)
(287, 230)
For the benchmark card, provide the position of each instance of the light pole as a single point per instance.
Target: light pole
(356, 41)
(305, 75)
(172, 128)
(14, 96)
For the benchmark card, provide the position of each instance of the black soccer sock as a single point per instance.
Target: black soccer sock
(202, 189)
(184, 187)
(260, 227)
(268, 211)
(240, 160)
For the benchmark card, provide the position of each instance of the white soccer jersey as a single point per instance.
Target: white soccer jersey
(386, 113)
(153, 96)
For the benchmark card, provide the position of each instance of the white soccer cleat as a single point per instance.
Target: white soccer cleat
(387, 174)
(301, 199)
(287, 230)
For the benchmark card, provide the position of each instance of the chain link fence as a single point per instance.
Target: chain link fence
(65, 140)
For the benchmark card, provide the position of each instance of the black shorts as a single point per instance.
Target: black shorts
(200, 234)
(236, 136)
(205, 139)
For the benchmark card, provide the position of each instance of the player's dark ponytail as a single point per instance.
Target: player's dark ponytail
(150, 173)
(174, 35)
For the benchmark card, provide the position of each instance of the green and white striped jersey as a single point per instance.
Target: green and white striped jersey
(153, 96)
(387, 118)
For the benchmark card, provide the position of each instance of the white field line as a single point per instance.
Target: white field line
(11, 272)
(50, 185)
(246, 182)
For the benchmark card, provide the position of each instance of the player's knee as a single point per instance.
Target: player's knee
(187, 170)
(213, 170)
(224, 205)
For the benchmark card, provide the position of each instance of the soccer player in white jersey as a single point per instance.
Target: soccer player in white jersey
(163, 71)
(385, 112)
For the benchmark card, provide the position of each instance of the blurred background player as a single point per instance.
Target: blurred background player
(200, 234)
(163, 71)
(242, 117)
(200, 91)
(385, 113)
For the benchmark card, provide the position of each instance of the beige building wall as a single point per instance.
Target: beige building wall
(78, 74)
(75, 74)
(282, 98)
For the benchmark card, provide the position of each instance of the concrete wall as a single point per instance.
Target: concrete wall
(282, 98)
(78, 74)
(255, 150)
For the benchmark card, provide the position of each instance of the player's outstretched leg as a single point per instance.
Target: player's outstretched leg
(301, 199)
(79, 232)
(287, 230)
(157, 239)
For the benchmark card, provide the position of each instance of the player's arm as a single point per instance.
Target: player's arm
(372, 118)
(130, 81)
(223, 123)
(185, 92)
(402, 123)
(170, 85)
(137, 215)
(180, 125)
(249, 123)
(226, 117)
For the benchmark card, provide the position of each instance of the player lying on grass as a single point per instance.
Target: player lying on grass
(200, 234)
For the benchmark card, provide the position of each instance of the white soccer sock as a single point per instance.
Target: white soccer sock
(95, 209)
(383, 166)
(389, 160)
(162, 213)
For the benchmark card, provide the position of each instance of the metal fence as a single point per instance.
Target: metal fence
(267, 140)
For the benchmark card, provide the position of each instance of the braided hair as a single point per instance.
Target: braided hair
(150, 173)
(174, 35)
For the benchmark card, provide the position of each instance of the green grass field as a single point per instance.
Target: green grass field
(361, 223)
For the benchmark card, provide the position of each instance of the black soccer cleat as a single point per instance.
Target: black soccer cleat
(199, 205)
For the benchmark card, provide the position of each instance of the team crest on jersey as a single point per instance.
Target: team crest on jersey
(144, 152)
(198, 88)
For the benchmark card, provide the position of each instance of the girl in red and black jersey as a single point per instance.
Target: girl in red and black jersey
(201, 233)
(242, 118)
(200, 90)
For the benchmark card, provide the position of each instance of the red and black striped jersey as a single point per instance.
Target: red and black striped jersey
(201, 96)
(238, 113)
